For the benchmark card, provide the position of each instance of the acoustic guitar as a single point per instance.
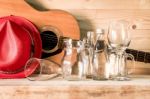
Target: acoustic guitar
(140, 56)
(57, 23)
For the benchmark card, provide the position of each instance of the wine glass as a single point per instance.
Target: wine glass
(119, 39)
(119, 36)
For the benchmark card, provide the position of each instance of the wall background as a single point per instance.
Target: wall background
(92, 14)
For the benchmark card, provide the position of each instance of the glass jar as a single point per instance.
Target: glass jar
(72, 62)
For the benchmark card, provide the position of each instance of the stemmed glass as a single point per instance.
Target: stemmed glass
(119, 39)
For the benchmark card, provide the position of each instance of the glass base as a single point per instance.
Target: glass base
(99, 78)
(88, 76)
(122, 78)
(74, 78)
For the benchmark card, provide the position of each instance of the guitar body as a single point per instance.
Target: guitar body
(63, 21)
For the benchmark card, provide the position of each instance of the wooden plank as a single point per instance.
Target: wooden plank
(140, 44)
(82, 14)
(139, 18)
(137, 88)
(92, 4)
(142, 70)
(93, 19)
(140, 40)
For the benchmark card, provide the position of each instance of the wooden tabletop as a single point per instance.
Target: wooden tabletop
(135, 80)
(137, 88)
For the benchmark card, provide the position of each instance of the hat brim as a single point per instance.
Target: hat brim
(21, 74)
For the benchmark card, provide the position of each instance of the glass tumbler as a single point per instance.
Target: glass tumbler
(72, 62)
(42, 69)
(120, 67)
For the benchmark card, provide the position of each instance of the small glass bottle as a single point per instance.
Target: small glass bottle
(99, 57)
(88, 53)
(72, 62)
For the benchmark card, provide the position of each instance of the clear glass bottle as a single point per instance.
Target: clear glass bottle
(99, 57)
(72, 62)
(88, 42)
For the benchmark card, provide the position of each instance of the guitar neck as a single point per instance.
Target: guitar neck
(140, 56)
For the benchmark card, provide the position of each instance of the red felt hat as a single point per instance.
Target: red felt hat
(19, 41)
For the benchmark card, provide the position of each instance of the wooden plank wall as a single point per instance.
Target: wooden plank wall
(92, 14)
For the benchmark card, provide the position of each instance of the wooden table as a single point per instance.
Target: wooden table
(137, 88)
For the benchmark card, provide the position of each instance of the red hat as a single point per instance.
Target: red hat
(19, 41)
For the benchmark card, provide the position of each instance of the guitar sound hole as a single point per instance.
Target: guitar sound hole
(49, 40)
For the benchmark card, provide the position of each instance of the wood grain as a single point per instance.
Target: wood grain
(93, 4)
(138, 88)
